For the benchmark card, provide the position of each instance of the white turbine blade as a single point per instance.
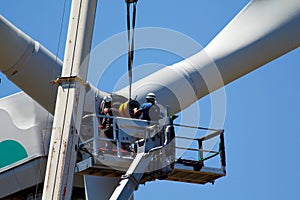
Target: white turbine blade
(32, 67)
(261, 32)
(28, 64)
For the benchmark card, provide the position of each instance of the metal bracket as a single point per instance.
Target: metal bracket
(67, 79)
(132, 179)
(83, 165)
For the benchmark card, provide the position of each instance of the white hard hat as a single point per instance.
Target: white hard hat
(107, 99)
(151, 96)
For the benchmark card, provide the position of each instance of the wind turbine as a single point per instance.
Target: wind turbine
(276, 36)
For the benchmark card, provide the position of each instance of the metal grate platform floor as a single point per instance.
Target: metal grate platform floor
(181, 172)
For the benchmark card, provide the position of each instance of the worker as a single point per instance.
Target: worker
(149, 110)
(105, 121)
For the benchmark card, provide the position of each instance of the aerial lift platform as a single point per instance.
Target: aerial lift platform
(142, 151)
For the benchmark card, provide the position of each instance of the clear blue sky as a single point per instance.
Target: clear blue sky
(263, 112)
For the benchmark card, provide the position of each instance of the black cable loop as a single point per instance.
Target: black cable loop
(129, 62)
(130, 35)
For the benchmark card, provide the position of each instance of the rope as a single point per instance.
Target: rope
(129, 61)
(130, 35)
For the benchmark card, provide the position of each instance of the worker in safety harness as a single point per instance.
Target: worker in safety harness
(105, 121)
(150, 111)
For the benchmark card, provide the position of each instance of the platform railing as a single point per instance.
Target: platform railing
(126, 131)
(203, 154)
